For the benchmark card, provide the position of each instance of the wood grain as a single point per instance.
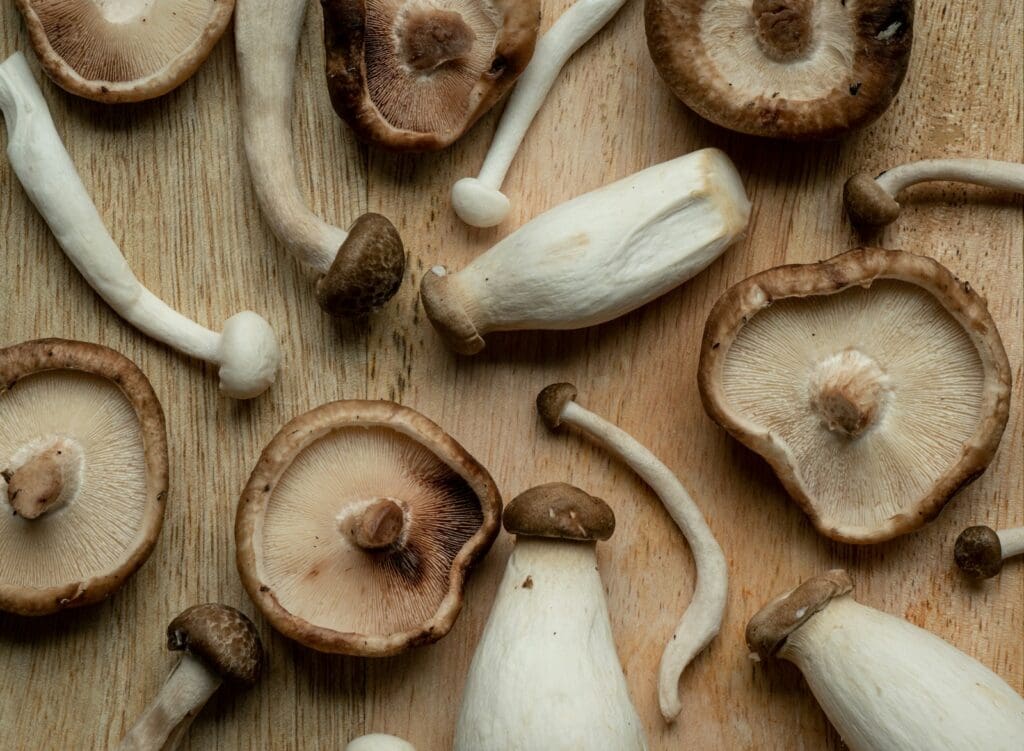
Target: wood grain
(170, 179)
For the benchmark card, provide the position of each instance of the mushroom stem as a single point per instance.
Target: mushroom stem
(784, 28)
(703, 618)
(379, 742)
(478, 200)
(375, 526)
(38, 485)
(246, 351)
(848, 391)
(432, 37)
(873, 201)
(980, 551)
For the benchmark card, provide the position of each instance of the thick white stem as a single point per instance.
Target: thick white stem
(379, 742)
(987, 172)
(1011, 541)
(479, 201)
(267, 40)
(703, 618)
(247, 351)
(164, 723)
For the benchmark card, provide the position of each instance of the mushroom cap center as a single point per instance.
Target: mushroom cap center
(849, 391)
(430, 37)
(374, 524)
(44, 476)
(783, 27)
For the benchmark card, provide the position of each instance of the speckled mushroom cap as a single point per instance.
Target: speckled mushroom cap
(123, 50)
(414, 75)
(795, 69)
(83, 474)
(221, 636)
(359, 525)
(559, 510)
(874, 383)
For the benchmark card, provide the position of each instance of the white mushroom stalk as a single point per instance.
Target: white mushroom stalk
(246, 352)
(379, 742)
(884, 683)
(980, 551)
(703, 618)
(596, 257)
(478, 200)
(872, 201)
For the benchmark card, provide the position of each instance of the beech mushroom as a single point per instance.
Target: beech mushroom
(703, 618)
(379, 742)
(218, 644)
(416, 74)
(872, 201)
(359, 526)
(596, 257)
(126, 51)
(545, 674)
(875, 384)
(884, 683)
(478, 200)
(357, 271)
(246, 351)
(980, 551)
(83, 474)
(794, 69)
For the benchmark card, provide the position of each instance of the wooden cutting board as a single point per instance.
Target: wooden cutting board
(170, 180)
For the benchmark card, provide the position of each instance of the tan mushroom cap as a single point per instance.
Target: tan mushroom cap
(782, 68)
(221, 636)
(559, 510)
(123, 50)
(359, 525)
(416, 74)
(874, 383)
(83, 474)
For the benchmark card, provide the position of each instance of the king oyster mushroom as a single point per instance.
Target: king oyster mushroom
(83, 474)
(416, 74)
(359, 526)
(874, 383)
(782, 68)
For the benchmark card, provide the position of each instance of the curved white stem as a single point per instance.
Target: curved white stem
(703, 618)
(987, 172)
(1011, 541)
(379, 742)
(246, 351)
(479, 201)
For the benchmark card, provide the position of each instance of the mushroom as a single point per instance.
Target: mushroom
(872, 201)
(124, 51)
(414, 75)
(796, 69)
(596, 257)
(545, 674)
(478, 200)
(359, 526)
(83, 474)
(874, 383)
(246, 351)
(379, 742)
(980, 551)
(357, 271)
(703, 618)
(218, 644)
(884, 683)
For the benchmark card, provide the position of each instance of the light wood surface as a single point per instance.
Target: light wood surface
(170, 179)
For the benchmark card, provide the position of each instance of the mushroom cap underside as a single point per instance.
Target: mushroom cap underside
(86, 419)
(875, 384)
(359, 525)
(796, 69)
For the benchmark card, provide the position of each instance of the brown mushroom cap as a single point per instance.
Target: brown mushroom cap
(978, 552)
(875, 384)
(126, 51)
(782, 68)
(552, 400)
(416, 74)
(223, 637)
(315, 532)
(83, 452)
(560, 511)
(367, 271)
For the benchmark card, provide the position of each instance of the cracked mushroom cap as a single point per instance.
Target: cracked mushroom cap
(223, 637)
(359, 525)
(874, 383)
(83, 474)
(793, 69)
(123, 51)
(414, 75)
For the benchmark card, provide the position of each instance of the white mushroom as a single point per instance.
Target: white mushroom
(478, 200)
(379, 742)
(597, 256)
(980, 551)
(884, 683)
(545, 674)
(872, 201)
(246, 351)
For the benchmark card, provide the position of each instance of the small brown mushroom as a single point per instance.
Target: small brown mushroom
(83, 474)
(414, 75)
(123, 51)
(359, 525)
(875, 384)
(794, 69)
(980, 551)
